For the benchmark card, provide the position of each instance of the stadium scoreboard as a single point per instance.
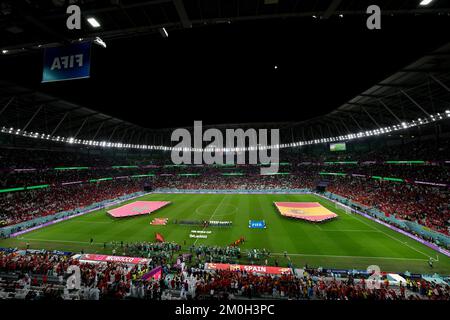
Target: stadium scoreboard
(338, 146)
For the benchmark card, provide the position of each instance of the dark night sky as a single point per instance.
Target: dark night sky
(225, 73)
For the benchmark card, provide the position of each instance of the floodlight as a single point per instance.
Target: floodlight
(93, 22)
(425, 2)
(100, 42)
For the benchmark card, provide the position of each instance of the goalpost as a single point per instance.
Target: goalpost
(343, 207)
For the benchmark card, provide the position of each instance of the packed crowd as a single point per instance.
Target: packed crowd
(237, 182)
(45, 157)
(49, 276)
(425, 205)
(59, 177)
(299, 176)
(16, 207)
(312, 286)
(379, 150)
(412, 172)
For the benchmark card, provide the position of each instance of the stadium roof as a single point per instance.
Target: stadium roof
(28, 24)
(416, 91)
(220, 72)
(33, 111)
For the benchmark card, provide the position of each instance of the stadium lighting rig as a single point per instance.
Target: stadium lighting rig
(163, 32)
(425, 2)
(351, 136)
(93, 22)
(100, 42)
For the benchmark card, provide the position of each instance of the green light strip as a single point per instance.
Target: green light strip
(189, 174)
(24, 188)
(38, 187)
(406, 162)
(233, 174)
(393, 179)
(373, 177)
(11, 189)
(388, 179)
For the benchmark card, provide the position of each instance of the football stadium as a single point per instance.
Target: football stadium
(191, 150)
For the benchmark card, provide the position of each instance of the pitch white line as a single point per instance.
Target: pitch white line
(53, 240)
(390, 236)
(210, 204)
(334, 256)
(87, 221)
(351, 230)
(214, 212)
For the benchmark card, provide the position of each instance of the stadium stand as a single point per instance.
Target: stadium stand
(402, 198)
(22, 206)
(43, 276)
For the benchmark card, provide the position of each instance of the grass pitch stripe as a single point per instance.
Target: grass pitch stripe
(345, 257)
(392, 237)
(62, 241)
(274, 253)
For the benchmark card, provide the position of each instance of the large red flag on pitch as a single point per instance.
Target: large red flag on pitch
(159, 237)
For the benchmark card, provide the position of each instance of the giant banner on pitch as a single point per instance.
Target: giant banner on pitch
(309, 211)
(67, 63)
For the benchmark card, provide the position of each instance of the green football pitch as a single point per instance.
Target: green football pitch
(349, 241)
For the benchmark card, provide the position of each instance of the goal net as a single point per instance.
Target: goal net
(343, 207)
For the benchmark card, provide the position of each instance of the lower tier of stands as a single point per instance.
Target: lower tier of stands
(46, 276)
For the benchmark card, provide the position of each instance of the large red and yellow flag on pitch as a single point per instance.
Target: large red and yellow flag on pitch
(310, 211)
